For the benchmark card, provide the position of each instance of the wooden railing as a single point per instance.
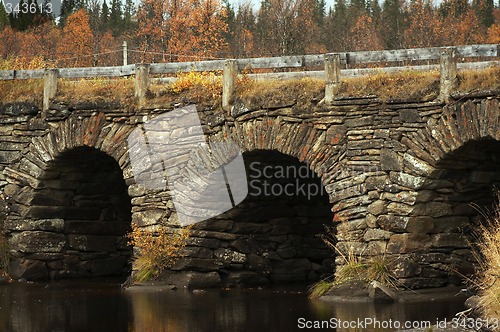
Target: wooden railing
(332, 72)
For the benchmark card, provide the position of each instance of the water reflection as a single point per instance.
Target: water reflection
(98, 306)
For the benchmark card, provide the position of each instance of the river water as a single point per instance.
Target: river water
(103, 306)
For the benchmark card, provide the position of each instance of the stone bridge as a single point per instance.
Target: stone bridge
(397, 182)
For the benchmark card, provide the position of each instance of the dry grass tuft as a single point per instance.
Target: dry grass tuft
(387, 86)
(277, 92)
(96, 89)
(22, 91)
(489, 258)
(479, 80)
(156, 251)
(355, 268)
(195, 87)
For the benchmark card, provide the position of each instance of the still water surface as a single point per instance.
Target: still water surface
(103, 306)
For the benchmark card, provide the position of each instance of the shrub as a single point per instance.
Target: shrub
(489, 258)
(199, 84)
(156, 250)
(355, 268)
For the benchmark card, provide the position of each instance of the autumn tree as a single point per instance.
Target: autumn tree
(4, 18)
(337, 26)
(287, 26)
(484, 11)
(364, 35)
(392, 24)
(68, 7)
(75, 48)
(423, 25)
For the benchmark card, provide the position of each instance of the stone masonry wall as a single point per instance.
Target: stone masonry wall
(399, 177)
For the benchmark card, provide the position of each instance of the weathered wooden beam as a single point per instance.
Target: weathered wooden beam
(176, 67)
(229, 76)
(86, 72)
(448, 72)
(141, 81)
(49, 86)
(332, 77)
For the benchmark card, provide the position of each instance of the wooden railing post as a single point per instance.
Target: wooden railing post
(125, 53)
(141, 80)
(229, 76)
(49, 86)
(332, 76)
(448, 72)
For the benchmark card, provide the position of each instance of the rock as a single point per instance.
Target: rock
(230, 256)
(381, 293)
(192, 280)
(373, 234)
(28, 269)
(148, 217)
(92, 242)
(376, 208)
(38, 241)
(408, 243)
(390, 160)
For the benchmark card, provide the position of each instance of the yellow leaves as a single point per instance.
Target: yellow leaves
(494, 34)
(22, 63)
(206, 83)
(156, 250)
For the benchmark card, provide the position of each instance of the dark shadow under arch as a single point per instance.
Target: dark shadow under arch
(83, 199)
(448, 214)
(272, 235)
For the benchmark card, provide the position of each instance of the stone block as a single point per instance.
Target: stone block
(92, 242)
(376, 248)
(408, 243)
(390, 160)
(406, 269)
(373, 234)
(28, 269)
(417, 165)
(449, 240)
(432, 209)
(259, 264)
(407, 180)
(229, 256)
(420, 224)
(336, 133)
(37, 241)
(399, 209)
(376, 208)
(50, 225)
(148, 217)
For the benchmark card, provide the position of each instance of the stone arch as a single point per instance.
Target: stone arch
(450, 163)
(271, 236)
(45, 243)
(310, 143)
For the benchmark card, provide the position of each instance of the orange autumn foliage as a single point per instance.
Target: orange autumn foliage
(75, 48)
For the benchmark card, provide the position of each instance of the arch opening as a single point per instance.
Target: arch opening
(462, 185)
(271, 237)
(85, 212)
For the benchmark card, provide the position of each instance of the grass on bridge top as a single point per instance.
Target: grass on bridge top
(206, 88)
